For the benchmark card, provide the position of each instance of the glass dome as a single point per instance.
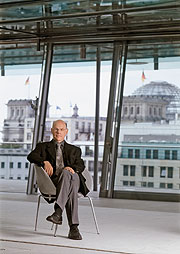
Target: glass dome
(159, 88)
(166, 91)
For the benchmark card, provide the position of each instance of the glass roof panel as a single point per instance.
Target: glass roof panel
(151, 28)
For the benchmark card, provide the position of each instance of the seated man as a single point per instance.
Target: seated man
(64, 165)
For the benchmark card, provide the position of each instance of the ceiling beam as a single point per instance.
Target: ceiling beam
(11, 4)
(141, 9)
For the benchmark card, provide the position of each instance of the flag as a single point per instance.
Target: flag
(27, 82)
(57, 107)
(143, 77)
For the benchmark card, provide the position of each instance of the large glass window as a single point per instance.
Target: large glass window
(132, 183)
(137, 110)
(150, 184)
(148, 154)
(170, 185)
(2, 164)
(170, 172)
(125, 183)
(149, 141)
(130, 153)
(132, 170)
(18, 97)
(144, 171)
(163, 172)
(83, 126)
(149, 132)
(132, 110)
(143, 184)
(125, 170)
(167, 154)
(151, 171)
(11, 164)
(155, 154)
(174, 155)
(125, 110)
(162, 185)
(19, 164)
(137, 153)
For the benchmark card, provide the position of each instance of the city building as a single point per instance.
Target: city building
(146, 152)
(16, 123)
(149, 133)
(13, 163)
(20, 121)
(152, 165)
(19, 128)
(153, 102)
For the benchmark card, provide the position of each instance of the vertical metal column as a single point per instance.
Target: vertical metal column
(45, 91)
(2, 65)
(2, 70)
(117, 121)
(41, 115)
(156, 62)
(110, 116)
(96, 139)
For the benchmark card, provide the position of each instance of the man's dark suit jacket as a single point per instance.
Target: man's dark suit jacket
(46, 151)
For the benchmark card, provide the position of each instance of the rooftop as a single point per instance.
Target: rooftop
(171, 139)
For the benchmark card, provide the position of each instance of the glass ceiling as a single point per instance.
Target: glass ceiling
(77, 28)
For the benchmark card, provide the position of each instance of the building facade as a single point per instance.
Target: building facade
(152, 166)
(149, 142)
(19, 124)
(17, 112)
(155, 102)
(13, 163)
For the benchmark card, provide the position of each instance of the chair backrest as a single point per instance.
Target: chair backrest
(44, 182)
(89, 180)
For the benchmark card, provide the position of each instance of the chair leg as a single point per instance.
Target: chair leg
(37, 212)
(56, 226)
(94, 215)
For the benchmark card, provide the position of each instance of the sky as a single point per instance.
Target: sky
(72, 85)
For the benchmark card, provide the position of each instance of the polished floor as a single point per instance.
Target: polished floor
(126, 226)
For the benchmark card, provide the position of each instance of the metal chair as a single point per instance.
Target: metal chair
(46, 187)
(48, 192)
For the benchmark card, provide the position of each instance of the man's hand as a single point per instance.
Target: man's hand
(70, 169)
(48, 168)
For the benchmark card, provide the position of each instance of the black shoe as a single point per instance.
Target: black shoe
(74, 233)
(55, 218)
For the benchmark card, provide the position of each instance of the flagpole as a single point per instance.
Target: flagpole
(27, 83)
(29, 92)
